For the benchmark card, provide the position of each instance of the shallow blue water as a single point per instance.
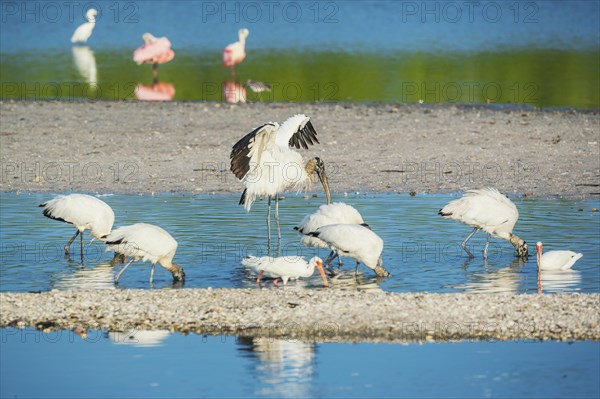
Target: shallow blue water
(159, 364)
(421, 249)
(336, 25)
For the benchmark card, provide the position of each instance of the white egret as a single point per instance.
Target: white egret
(84, 31)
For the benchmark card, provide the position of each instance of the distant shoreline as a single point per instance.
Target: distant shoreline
(140, 147)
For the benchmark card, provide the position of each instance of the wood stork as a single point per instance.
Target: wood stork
(335, 213)
(84, 31)
(235, 52)
(267, 164)
(154, 51)
(285, 267)
(84, 212)
(488, 210)
(144, 242)
(354, 241)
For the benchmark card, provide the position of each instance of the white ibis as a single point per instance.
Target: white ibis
(267, 164)
(354, 241)
(335, 213)
(84, 31)
(235, 52)
(488, 210)
(144, 242)
(556, 260)
(285, 267)
(84, 212)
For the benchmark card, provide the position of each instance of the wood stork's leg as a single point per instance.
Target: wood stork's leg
(68, 246)
(260, 273)
(277, 224)
(330, 258)
(339, 262)
(118, 276)
(81, 236)
(356, 270)
(152, 274)
(487, 243)
(463, 244)
(269, 226)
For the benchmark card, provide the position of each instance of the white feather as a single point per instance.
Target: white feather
(284, 267)
(83, 211)
(486, 209)
(559, 260)
(335, 213)
(143, 242)
(354, 241)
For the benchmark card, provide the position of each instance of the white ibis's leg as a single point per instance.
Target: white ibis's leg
(463, 244)
(118, 276)
(487, 243)
(275, 282)
(68, 246)
(260, 273)
(277, 224)
(152, 274)
(269, 226)
(81, 236)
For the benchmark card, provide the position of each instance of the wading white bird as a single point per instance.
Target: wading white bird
(144, 242)
(488, 210)
(335, 213)
(285, 267)
(84, 212)
(84, 31)
(556, 260)
(235, 52)
(267, 164)
(354, 241)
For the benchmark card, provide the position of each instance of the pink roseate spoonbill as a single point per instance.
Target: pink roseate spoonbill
(354, 241)
(267, 164)
(159, 91)
(235, 53)
(285, 267)
(335, 213)
(84, 212)
(154, 51)
(488, 210)
(144, 242)
(84, 31)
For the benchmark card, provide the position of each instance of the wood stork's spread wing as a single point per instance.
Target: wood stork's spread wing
(249, 148)
(297, 132)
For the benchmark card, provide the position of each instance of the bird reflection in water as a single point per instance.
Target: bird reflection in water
(85, 63)
(285, 367)
(157, 91)
(234, 92)
(140, 338)
(503, 280)
(99, 277)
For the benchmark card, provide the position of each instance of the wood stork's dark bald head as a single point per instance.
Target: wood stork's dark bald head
(317, 166)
